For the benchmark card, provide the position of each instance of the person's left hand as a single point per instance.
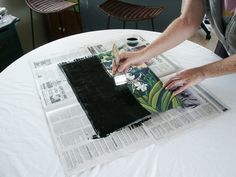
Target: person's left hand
(184, 80)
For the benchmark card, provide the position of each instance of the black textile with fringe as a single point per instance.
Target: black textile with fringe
(107, 108)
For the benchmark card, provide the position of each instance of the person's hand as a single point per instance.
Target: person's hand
(128, 59)
(184, 80)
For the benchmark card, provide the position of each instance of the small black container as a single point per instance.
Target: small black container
(132, 41)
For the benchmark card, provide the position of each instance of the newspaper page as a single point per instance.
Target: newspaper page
(199, 105)
(75, 139)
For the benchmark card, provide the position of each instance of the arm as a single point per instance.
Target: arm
(178, 31)
(190, 77)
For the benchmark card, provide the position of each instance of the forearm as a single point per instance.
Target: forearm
(219, 68)
(190, 77)
(179, 30)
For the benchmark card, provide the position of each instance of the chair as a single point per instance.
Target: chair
(204, 24)
(208, 33)
(129, 12)
(47, 7)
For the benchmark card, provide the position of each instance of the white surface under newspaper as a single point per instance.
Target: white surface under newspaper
(72, 132)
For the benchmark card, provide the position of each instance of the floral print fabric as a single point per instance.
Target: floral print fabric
(145, 86)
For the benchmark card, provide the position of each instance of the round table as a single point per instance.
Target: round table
(27, 150)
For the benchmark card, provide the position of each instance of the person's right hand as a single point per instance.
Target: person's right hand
(128, 59)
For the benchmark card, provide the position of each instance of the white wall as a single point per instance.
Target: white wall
(19, 9)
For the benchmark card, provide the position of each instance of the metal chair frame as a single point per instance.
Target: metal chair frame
(129, 12)
(48, 7)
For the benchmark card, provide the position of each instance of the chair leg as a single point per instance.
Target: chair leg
(153, 28)
(124, 24)
(208, 33)
(220, 50)
(78, 20)
(136, 25)
(32, 28)
(108, 22)
(61, 28)
(81, 25)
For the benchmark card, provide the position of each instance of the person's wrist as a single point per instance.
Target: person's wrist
(145, 54)
(204, 72)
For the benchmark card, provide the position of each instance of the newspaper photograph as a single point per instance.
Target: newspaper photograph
(75, 140)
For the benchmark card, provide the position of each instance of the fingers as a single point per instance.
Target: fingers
(168, 82)
(181, 85)
(124, 64)
(180, 82)
(122, 56)
(176, 82)
(181, 89)
(125, 61)
(114, 67)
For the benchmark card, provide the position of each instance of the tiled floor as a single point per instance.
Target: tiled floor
(200, 38)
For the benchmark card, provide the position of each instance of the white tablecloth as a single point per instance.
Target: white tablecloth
(26, 148)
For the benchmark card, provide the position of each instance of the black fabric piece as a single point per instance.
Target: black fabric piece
(220, 50)
(107, 108)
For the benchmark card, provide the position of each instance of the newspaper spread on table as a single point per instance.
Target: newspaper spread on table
(72, 132)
